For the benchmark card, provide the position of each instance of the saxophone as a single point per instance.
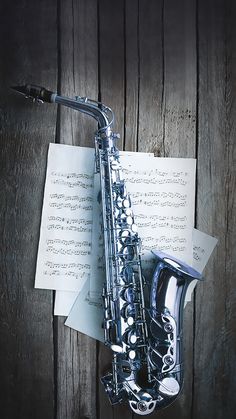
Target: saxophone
(142, 323)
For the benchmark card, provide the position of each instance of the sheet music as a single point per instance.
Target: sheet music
(85, 316)
(64, 301)
(203, 246)
(64, 254)
(163, 195)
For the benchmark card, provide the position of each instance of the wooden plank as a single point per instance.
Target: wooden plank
(131, 75)
(78, 68)
(150, 73)
(28, 53)
(76, 374)
(167, 121)
(112, 60)
(215, 341)
(76, 353)
(180, 75)
(179, 139)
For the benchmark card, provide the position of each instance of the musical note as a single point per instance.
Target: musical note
(72, 207)
(77, 184)
(72, 175)
(67, 243)
(64, 197)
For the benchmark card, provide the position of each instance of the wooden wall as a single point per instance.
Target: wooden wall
(168, 70)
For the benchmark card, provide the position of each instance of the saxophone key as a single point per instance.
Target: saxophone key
(130, 295)
(125, 236)
(169, 386)
(133, 339)
(130, 310)
(130, 321)
(128, 212)
(130, 337)
(128, 274)
(129, 220)
(128, 253)
(132, 354)
(116, 212)
(115, 165)
(126, 202)
(119, 202)
(134, 228)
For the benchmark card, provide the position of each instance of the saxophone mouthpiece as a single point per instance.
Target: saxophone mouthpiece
(36, 93)
(19, 89)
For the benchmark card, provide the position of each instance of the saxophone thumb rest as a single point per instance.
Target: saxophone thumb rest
(143, 327)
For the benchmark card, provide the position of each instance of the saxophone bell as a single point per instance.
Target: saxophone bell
(170, 282)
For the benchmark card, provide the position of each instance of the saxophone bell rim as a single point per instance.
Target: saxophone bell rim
(178, 265)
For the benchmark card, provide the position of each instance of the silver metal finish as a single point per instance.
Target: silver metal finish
(145, 334)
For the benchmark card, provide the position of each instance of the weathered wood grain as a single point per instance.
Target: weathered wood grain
(180, 76)
(215, 332)
(143, 59)
(131, 81)
(111, 59)
(168, 98)
(28, 53)
(76, 374)
(78, 68)
(179, 138)
(78, 75)
(150, 76)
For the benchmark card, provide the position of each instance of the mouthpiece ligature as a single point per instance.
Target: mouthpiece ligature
(36, 93)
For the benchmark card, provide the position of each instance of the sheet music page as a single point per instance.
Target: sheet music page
(64, 301)
(203, 246)
(86, 317)
(163, 195)
(64, 253)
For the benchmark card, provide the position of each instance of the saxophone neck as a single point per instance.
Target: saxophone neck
(101, 113)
